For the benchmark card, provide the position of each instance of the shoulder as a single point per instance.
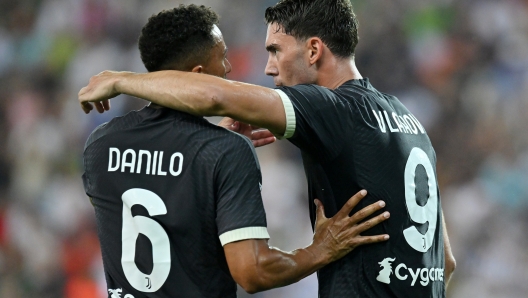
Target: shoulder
(309, 98)
(321, 96)
(233, 146)
(220, 135)
(111, 126)
(97, 133)
(305, 90)
(236, 140)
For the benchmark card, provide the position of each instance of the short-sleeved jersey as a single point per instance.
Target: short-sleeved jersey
(169, 190)
(353, 138)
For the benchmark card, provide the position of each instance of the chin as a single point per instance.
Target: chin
(285, 84)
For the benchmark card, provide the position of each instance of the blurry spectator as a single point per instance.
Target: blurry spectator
(460, 66)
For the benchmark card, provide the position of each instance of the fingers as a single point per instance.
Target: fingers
(82, 91)
(319, 214)
(235, 126)
(87, 107)
(226, 121)
(366, 212)
(229, 123)
(99, 107)
(262, 137)
(261, 134)
(350, 204)
(372, 239)
(106, 105)
(263, 142)
(372, 222)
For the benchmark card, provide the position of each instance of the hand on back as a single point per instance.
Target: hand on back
(339, 235)
(259, 137)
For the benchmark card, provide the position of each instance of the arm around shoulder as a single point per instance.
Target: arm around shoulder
(193, 93)
(207, 95)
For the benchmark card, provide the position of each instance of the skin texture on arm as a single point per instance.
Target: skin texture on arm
(257, 267)
(197, 94)
(450, 263)
(202, 95)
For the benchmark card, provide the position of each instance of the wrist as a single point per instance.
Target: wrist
(119, 82)
(320, 254)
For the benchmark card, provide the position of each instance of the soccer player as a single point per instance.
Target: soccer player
(177, 200)
(351, 135)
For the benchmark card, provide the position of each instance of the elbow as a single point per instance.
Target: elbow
(450, 265)
(251, 285)
(253, 279)
(215, 103)
(250, 289)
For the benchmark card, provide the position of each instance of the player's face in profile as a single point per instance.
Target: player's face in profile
(287, 59)
(218, 65)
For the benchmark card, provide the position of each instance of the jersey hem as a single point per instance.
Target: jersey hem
(244, 234)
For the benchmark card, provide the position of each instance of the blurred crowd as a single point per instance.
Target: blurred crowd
(460, 66)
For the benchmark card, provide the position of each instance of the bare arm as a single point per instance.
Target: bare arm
(450, 263)
(257, 267)
(197, 94)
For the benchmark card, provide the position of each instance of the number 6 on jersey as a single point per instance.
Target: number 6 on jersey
(132, 226)
(420, 214)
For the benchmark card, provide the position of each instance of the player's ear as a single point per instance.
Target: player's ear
(315, 48)
(198, 69)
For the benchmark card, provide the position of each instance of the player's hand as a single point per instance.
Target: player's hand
(259, 137)
(337, 236)
(99, 90)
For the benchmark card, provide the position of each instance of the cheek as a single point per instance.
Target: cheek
(286, 67)
(293, 70)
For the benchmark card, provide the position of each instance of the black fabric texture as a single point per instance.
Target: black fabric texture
(216, 191)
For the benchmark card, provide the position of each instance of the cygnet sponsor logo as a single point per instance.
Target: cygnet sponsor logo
(402, 272)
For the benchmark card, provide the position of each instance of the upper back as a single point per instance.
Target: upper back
(353, 138)
(160, 182)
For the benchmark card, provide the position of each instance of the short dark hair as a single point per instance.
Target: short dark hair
(333, 21)
(178, 38)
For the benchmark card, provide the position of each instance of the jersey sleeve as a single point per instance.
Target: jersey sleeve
(240, 212)
(315, 119)
(91, 158)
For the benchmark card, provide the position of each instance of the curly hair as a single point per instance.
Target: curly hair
(178, 38)
(333, 21)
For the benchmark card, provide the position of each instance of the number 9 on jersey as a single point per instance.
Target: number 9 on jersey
(420, 214)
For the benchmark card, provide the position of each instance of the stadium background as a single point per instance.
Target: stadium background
(461, 67)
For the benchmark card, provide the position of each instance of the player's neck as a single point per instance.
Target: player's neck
(337, 72)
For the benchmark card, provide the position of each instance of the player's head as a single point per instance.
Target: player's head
(300, 31)
(185, 38)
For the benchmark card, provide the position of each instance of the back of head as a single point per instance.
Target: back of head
(178, 39)
(333, 21)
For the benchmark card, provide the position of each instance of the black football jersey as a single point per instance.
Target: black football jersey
(353, 138)
(169, 190)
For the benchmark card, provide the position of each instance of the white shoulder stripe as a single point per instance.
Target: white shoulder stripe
(244, 234)
(290, 115)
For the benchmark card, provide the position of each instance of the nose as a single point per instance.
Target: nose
(271, 68)
(228, 66)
